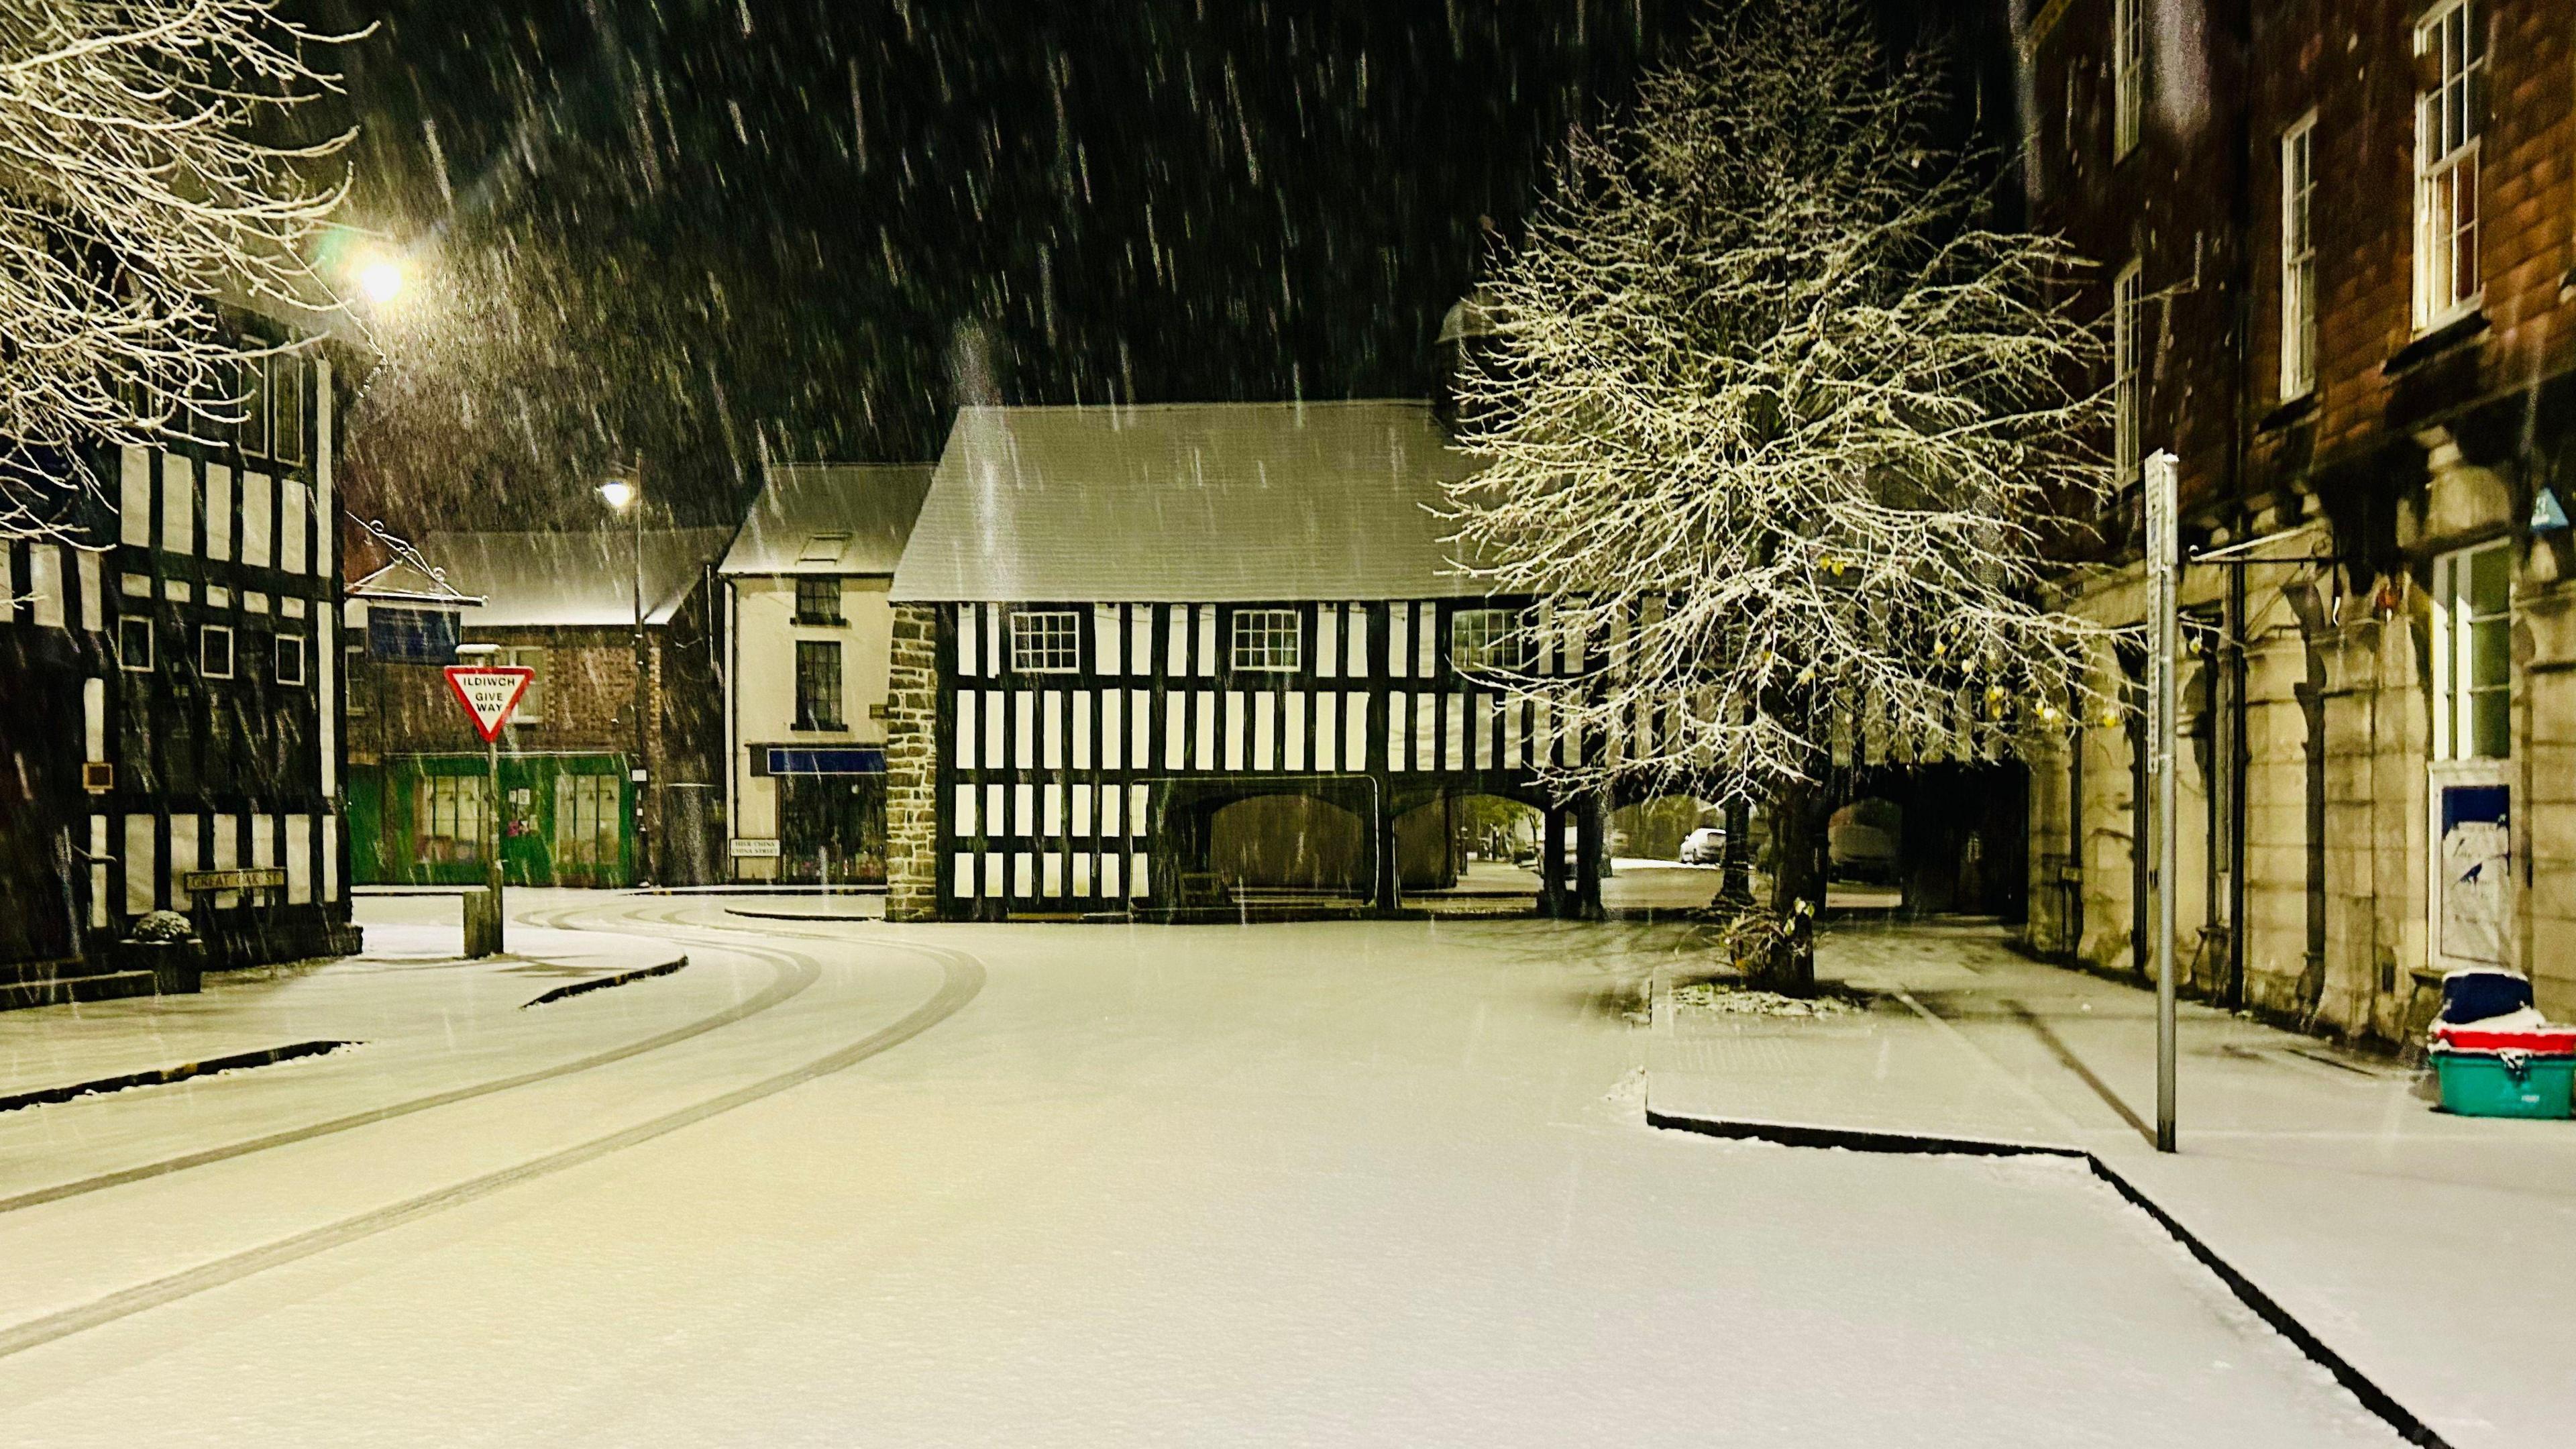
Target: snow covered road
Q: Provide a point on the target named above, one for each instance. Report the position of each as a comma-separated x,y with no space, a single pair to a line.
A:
1346,1183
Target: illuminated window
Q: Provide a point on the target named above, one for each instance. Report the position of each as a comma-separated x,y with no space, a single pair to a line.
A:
532,705
2128,74
2298,260
447,818
2473,653
2446,164
2127,353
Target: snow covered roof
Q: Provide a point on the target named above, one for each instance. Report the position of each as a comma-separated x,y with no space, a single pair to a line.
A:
573,579
829,518
1199,502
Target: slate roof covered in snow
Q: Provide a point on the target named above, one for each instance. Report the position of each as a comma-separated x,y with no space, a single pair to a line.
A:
567,580
829,518
1187,502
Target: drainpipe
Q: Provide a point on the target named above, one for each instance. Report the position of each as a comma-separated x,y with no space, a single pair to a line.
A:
2073,922
2235,767
2231,644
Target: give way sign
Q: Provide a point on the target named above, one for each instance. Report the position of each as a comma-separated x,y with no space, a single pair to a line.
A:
489,692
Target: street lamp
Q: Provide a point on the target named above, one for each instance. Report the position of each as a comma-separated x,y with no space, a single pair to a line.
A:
626,495
381,279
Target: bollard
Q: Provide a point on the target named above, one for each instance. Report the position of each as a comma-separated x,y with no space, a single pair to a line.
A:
482,923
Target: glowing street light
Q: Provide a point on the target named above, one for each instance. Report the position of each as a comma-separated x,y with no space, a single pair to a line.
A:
618,493
381,279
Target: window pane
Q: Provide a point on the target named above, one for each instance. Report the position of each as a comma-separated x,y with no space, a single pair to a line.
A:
2490,580
818,601
254,425
2490,646
287,408
1046,641
1267,639
2492,726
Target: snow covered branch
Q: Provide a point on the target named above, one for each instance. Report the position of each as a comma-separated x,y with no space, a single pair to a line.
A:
1780,422
139,181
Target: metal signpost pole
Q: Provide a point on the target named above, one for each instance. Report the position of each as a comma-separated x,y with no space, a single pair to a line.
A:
482,654
2164,557
490,694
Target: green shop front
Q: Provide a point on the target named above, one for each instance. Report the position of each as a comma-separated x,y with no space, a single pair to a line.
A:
566,820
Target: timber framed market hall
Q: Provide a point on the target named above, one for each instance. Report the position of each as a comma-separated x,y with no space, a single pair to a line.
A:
1115,623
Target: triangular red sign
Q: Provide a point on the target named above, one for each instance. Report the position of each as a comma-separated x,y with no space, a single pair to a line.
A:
489,692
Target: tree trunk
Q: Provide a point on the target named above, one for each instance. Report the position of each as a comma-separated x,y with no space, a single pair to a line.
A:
1797,889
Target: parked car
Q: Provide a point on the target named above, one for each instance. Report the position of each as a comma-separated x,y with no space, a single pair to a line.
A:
1704,846
1862,841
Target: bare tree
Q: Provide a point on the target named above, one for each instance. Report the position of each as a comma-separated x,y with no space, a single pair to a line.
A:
1778,419
140,180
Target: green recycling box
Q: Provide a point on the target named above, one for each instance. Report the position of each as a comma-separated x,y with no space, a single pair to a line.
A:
2505,1084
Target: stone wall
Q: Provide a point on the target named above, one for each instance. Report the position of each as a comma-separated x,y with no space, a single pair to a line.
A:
912,765
2343,674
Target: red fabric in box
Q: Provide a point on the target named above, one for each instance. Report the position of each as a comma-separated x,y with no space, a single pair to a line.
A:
2540,1041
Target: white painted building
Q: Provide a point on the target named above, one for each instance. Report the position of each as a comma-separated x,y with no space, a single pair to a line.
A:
807,628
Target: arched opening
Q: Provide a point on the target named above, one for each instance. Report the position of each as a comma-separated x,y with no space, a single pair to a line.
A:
1294,843
1961,839
1667,852
1657,829
1865,841
1469,852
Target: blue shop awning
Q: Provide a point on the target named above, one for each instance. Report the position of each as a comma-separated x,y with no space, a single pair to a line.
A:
788,761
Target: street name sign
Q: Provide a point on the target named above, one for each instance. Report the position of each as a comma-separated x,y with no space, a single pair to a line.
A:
750,848
257,878
490,693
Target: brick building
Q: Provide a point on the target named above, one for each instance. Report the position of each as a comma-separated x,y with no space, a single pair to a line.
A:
2335,241
577,812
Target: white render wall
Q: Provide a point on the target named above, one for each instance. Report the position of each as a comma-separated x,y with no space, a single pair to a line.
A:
761,689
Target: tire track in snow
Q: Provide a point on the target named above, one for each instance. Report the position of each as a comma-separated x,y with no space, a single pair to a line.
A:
792,974
962,978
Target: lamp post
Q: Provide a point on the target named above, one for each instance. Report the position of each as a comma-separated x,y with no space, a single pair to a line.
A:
626,495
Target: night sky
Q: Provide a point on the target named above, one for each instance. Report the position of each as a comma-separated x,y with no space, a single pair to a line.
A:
695,231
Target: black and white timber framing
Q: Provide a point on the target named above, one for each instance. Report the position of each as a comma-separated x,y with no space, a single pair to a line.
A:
1084,744
182,658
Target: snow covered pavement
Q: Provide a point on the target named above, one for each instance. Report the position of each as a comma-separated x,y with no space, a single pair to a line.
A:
2432,1252
1378,1183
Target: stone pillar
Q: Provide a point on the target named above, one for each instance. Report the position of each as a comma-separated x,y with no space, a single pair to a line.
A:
912,765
